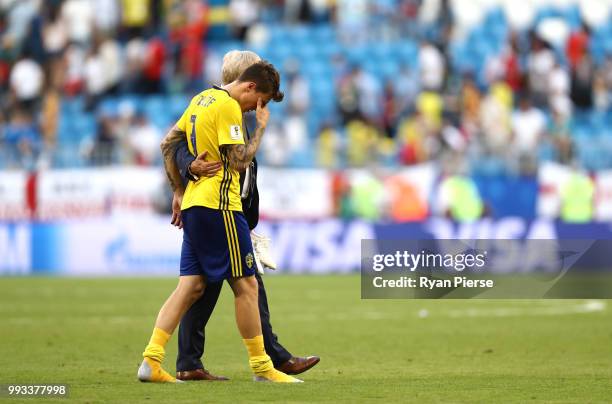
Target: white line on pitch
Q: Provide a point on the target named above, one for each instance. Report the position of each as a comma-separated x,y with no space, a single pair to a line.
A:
589,306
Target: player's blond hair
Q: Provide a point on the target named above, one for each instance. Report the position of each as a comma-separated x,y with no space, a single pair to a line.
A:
235,62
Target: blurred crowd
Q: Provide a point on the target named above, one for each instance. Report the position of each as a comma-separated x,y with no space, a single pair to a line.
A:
522,108
507,119
51,51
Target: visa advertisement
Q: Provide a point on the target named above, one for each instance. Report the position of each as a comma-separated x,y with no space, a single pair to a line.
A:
149,245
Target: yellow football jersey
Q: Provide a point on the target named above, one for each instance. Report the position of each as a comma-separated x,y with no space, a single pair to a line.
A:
211,120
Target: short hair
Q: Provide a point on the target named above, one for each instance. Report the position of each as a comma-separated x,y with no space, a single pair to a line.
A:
235,62
266,78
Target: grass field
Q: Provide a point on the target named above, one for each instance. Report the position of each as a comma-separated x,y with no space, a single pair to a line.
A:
89,333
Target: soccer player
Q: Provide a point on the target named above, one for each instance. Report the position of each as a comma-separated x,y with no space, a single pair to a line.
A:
216,242
191,331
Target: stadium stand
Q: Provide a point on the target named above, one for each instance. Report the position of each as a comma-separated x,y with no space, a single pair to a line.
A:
502,86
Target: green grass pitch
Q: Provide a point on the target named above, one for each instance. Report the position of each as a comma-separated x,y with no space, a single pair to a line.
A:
89,333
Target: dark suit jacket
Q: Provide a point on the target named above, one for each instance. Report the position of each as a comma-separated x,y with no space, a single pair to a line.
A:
250,204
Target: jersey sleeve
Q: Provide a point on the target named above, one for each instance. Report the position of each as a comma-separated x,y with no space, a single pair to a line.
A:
229,124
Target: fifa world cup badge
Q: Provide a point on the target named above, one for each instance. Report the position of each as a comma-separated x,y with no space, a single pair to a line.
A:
235,132
249,260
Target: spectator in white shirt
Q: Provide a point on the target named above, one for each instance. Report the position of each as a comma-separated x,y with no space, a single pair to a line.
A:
244,13
112,59
27,79
95,78
432,68
559,81
78,16
144,141
559,86
528,126
540,65
107,15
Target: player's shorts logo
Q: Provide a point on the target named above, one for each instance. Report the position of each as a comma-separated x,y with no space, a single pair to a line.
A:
249,260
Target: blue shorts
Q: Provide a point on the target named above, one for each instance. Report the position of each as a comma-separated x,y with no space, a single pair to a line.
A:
216,244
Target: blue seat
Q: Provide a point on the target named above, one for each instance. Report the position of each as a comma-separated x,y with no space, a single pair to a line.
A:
547,12
307,52
323,33
408,52
388,70
227,46
303,158
276,109
597,121
297,34
382,51
324,106
483,48
133,100
330,48
606,44
466,59
177,104
154,105
324,109
323,96
497,34
64,128
591,156
108,106
546,152
213,3
579,132
357,54
281,52
598,52
68,156
162,121
276,33
316,69
276,61
495,17
262,51
573,16
371,66
313,123
83,125
321,87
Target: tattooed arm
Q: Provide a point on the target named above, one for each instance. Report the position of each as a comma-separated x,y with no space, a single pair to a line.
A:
241,155
168,148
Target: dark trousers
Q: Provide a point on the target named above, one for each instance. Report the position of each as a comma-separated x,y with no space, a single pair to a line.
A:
191,331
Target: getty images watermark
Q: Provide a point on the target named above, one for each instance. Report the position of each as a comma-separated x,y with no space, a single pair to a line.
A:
460,269
424,260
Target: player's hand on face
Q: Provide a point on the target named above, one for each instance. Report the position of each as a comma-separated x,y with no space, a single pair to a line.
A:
177,200
203,168
262,114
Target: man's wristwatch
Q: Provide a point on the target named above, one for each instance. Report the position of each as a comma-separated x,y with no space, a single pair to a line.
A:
191,176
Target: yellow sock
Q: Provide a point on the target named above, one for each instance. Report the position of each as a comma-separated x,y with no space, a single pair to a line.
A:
258,359
261,364
155,349
255,346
